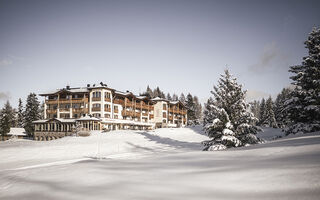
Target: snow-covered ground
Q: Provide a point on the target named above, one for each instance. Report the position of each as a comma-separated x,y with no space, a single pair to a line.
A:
159,164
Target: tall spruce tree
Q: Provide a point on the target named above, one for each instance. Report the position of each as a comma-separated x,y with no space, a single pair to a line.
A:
6,119
262,115
232,124
182,98
175,97
208,111
197,109
281,114
31,113
270,119
255,108
20,115
304,106
190,109
169,97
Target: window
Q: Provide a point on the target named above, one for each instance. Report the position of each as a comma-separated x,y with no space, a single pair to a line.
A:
115,107
107,115
96,94
97,115
96,105
164,115
164,107
116,116
107,95
107,105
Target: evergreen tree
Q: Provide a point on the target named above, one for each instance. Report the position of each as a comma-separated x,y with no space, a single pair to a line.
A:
175,97
208,112
41,111
190,109
6,118
31,113
262,115
20,115
270,119
255,108
304,106
232,124
169,97
197,109
281,114
182,98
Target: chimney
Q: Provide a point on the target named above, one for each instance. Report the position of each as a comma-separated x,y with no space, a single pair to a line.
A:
68,87
88,85
101,83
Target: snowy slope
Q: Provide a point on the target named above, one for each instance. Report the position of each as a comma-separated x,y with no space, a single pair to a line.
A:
168,165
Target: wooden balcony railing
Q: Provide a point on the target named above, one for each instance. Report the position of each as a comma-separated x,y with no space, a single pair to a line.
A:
96,98
96,109
80,110
64,109
107,99
144,114
107,109
151,116
115,110
51,111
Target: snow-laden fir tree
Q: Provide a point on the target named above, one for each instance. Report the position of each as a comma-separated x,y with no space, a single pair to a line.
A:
304,106
190,109
255,108
197,109
6,119
31,113
262,115
231,123
20,115
270,119
281,114
175,97
182,98
208,116
169,97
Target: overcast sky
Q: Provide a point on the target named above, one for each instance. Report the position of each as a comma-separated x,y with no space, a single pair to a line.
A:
180,46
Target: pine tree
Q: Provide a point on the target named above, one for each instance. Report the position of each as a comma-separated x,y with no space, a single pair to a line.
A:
304,106
175,97
169,97
262,115
182,98
31,113
6,118
190,109
232,124
281,114
208,112
20,115
270,119
197,109
255,108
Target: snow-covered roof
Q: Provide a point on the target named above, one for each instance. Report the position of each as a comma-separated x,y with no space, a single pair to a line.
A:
58,119
71,90
174,102
65,120
17,132
159,99
88,118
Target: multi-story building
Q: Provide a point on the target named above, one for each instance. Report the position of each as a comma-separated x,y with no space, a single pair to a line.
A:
99,107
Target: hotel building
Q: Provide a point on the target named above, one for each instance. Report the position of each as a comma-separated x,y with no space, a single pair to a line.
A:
99,107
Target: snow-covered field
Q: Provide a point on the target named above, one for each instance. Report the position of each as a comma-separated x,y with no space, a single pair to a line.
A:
159,164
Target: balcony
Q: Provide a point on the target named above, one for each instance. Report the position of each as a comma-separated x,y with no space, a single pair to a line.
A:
118,101
51,111
64,101
107,109
107,99
96,109
64,109
79,100
116,111
96,98
52,101
144,114
80,110
150,116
